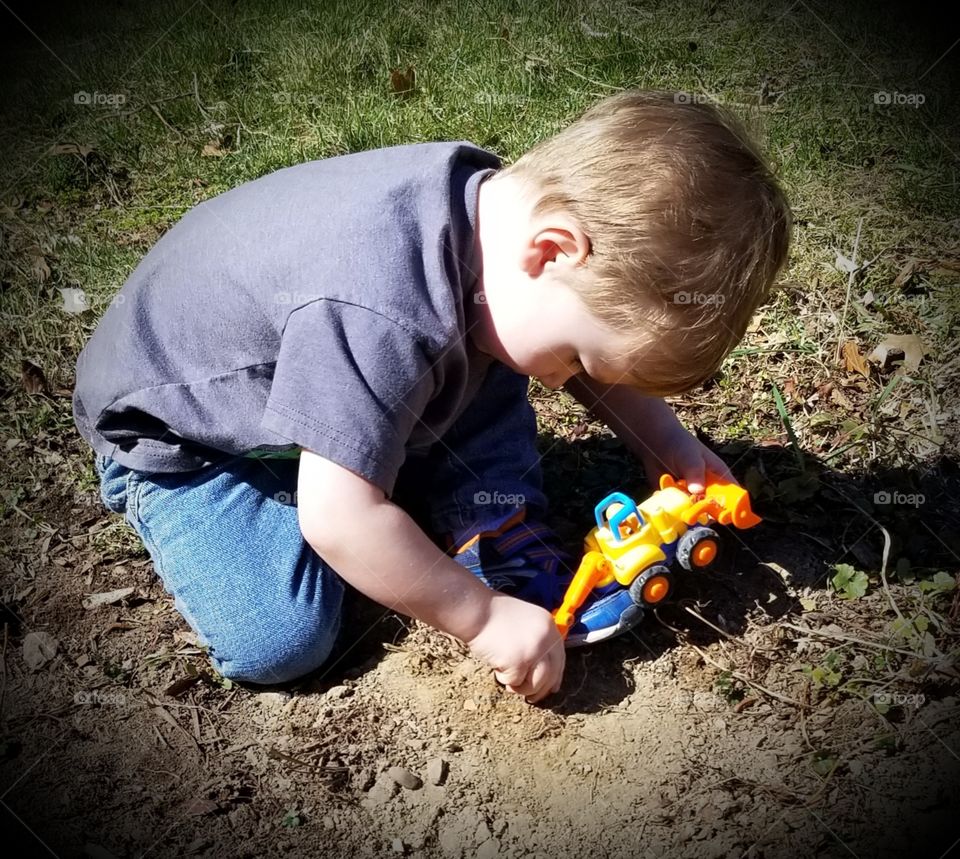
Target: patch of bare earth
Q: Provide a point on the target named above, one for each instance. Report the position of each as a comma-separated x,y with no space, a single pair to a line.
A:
702,735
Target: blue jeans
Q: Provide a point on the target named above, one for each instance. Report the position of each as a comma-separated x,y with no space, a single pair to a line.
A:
226,542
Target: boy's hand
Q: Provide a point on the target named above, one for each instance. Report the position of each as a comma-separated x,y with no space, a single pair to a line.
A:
521,642
682,455
649,428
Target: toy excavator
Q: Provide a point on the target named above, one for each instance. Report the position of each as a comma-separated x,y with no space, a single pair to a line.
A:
634,546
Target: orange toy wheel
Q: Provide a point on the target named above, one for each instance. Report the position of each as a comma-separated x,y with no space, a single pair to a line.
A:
698,548
703,553
656,589
652,586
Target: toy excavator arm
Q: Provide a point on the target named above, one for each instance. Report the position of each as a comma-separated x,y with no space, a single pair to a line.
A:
593,568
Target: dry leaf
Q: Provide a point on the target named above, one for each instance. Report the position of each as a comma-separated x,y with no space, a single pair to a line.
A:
107,598
38,649
184,637
949,264
33,378
853,361
907,272
840,398
909,344
74,300
80,149
182,686
589,31
213,150
403,82
845,264
201,806
39,268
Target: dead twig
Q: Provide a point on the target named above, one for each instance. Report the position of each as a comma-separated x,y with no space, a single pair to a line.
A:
836,636
166,124
750,682
712,626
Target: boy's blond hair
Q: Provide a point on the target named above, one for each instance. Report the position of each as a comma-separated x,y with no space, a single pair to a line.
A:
687,227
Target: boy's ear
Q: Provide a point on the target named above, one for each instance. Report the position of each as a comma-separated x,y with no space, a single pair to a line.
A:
565,243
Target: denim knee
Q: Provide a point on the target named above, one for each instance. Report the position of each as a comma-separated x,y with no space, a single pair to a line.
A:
271,651
113,483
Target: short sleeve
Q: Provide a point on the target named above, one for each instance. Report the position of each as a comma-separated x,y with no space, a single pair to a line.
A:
349,385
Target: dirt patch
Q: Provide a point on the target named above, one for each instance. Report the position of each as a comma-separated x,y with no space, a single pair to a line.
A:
705,734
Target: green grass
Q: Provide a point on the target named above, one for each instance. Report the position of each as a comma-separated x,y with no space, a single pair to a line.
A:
272,84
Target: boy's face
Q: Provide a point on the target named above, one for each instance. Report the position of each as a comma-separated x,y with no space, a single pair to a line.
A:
521,312
544,330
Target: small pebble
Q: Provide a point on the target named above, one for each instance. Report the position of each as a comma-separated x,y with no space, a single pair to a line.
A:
335,692
437,771
399,846
405,778
273,699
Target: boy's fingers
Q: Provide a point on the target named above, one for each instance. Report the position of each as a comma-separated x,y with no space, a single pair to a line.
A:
540,680
719,467
511,677
553,667
695,475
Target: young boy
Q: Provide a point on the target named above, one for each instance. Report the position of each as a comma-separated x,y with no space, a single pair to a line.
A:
321,375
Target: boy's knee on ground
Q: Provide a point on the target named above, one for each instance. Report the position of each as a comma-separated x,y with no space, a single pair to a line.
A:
274,649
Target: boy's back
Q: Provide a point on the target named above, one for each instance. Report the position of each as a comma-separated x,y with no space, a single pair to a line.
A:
331,288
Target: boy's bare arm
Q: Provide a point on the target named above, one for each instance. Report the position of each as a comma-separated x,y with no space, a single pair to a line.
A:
375,546
650,429
639,421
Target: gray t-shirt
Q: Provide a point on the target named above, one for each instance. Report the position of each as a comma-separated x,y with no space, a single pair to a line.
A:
320,306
